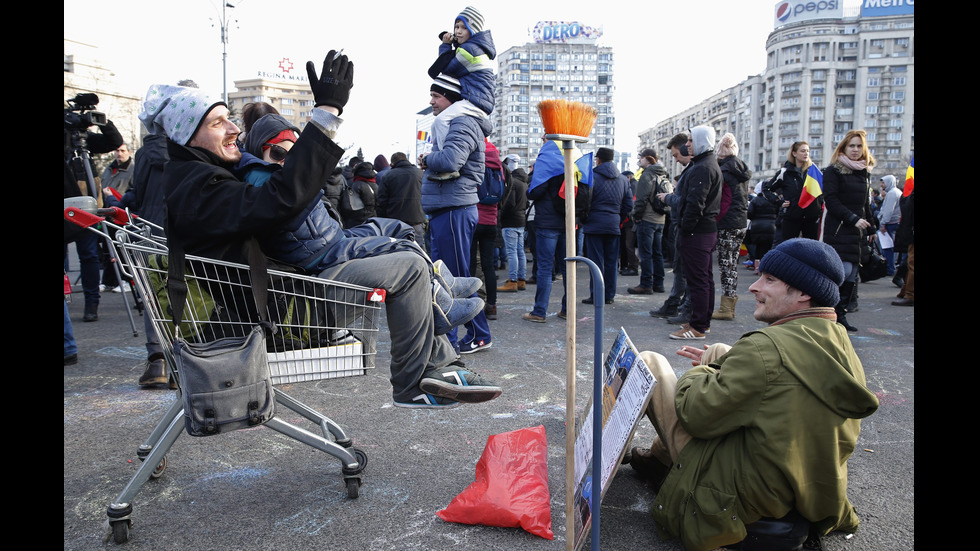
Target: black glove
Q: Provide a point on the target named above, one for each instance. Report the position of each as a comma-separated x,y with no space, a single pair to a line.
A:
334,83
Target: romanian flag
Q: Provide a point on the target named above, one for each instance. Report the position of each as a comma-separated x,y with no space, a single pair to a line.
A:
423,136
551,162
812,186
909,179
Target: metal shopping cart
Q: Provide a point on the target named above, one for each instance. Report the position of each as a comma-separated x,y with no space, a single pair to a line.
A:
325,329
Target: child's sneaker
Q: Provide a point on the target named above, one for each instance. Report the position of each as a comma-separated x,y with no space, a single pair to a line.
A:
451,312
457,286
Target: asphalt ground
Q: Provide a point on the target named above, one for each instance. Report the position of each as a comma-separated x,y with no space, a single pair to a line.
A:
257,489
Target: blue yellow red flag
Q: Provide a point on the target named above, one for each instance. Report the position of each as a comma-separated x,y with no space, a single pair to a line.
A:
909,179
551,162
812,186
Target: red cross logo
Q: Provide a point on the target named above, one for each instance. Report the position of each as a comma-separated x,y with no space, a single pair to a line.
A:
286,65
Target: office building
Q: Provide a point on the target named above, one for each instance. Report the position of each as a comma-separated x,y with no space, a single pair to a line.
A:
563,62
827,72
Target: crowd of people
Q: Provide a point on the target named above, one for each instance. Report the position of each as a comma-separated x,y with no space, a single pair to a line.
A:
212,184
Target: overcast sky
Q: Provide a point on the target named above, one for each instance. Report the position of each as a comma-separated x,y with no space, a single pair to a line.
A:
668,54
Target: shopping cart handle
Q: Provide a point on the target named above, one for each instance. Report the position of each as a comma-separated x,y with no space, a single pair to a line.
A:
86,219
116,215
81,217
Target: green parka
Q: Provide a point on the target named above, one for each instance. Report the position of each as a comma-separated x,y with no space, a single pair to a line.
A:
774,421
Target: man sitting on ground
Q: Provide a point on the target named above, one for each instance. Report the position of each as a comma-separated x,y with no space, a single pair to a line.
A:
766,426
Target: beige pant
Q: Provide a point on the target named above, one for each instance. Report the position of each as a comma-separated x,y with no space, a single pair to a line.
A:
671,436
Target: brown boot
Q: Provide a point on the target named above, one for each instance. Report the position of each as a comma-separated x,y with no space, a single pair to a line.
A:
508,287
521,284
727,309
490,310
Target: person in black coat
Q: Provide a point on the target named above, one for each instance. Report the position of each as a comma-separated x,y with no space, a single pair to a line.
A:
846,191
762,214
796,221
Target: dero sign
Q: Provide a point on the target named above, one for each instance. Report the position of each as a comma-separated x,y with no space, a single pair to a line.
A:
569,32
803,10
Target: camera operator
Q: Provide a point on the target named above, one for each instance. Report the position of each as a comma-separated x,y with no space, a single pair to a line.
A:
80,116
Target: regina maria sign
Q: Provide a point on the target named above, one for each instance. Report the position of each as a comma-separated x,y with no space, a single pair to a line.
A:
792,11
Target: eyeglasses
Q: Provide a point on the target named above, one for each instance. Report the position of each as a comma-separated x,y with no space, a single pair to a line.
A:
277,153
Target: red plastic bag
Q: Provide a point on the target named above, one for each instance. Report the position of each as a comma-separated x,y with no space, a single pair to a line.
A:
511,486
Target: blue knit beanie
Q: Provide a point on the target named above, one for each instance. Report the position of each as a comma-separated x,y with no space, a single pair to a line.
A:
811,266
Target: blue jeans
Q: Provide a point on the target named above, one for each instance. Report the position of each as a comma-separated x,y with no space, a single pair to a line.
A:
603,249
649,246
87,245
70,346
452,241
548,243
514,245
889,253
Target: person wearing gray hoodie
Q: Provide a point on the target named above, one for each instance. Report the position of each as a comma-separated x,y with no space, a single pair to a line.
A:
700,203
888,216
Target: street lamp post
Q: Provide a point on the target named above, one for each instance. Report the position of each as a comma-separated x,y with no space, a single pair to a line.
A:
224,50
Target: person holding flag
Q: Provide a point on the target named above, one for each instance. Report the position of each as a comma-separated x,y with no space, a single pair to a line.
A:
800,183
547,190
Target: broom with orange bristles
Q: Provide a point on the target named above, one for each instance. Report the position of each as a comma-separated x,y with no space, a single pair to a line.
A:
571,122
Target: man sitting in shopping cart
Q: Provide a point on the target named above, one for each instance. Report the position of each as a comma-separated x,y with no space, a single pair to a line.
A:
214,214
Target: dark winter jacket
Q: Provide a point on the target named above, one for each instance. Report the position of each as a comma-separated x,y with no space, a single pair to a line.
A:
118,176
400,194
788,184
762,212
611,201
653,178
366,188
847,197
549,206
701,195
513,206
333,187
463,152
905,234
145,194
734,194
214,214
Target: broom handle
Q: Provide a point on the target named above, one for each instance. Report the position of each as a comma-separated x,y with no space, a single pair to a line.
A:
571,302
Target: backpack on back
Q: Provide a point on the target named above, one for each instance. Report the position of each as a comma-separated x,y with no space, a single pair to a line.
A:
493,187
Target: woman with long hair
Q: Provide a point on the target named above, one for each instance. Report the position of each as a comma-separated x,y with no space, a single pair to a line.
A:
732,222
846,191
796,221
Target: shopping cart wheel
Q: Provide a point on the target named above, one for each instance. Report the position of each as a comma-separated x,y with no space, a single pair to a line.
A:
161,468
120,530
353,487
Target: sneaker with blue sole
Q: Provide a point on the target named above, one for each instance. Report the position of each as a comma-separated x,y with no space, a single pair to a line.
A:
428,401
455,382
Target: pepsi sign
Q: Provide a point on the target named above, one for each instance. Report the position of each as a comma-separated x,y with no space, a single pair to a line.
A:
802,10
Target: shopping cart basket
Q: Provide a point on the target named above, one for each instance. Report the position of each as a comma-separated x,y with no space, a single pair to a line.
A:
325,329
